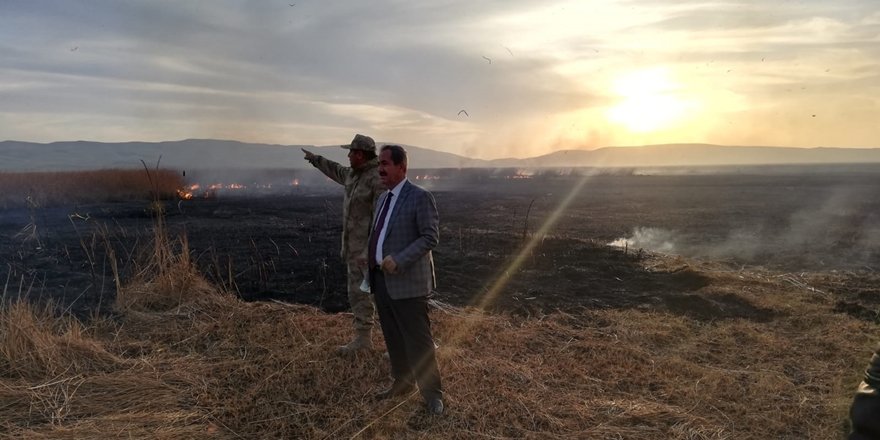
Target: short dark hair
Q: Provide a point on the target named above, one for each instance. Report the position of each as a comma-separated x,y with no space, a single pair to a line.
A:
398,153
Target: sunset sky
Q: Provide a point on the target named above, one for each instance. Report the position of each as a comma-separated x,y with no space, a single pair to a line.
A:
531,76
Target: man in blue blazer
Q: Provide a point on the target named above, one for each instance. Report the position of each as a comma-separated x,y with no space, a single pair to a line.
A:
405,229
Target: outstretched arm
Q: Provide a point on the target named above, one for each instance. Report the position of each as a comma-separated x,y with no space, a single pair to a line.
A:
331,169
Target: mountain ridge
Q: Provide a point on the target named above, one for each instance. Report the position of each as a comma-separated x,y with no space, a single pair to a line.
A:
219,153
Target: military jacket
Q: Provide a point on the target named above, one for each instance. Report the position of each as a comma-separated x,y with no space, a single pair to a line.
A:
362,188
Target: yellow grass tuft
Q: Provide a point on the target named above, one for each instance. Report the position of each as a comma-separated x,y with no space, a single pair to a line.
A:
166,278
36,343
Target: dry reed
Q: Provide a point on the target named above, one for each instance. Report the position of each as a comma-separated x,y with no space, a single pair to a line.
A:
184,361
36,189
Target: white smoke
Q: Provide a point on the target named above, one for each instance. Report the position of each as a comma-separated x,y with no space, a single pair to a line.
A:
653,239
838,229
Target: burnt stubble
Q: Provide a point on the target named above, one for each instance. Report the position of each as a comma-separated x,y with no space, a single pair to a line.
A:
285,246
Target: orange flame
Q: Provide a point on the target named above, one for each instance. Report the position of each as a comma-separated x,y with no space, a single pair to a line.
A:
183,194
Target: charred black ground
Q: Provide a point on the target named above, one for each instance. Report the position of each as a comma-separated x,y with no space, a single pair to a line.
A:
285,246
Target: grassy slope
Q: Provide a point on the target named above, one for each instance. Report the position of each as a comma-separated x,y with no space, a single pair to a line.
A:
181,360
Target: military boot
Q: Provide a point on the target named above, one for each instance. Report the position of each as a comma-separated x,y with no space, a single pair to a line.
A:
361,341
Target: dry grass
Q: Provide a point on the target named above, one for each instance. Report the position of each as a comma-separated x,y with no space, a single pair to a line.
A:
165,276
52,188
181,360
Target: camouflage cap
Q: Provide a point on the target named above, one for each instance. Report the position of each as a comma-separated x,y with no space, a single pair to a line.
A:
361,142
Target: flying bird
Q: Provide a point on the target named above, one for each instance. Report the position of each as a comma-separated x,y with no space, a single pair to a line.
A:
509,51
463,111
487,59
74,49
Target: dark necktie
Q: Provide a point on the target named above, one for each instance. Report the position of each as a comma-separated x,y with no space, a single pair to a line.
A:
374,237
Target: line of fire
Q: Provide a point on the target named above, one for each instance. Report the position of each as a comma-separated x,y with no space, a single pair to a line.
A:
208,185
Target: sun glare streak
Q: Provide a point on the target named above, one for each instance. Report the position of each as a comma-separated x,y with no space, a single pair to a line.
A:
481,302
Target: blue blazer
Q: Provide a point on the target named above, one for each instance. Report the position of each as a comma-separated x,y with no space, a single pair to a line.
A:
412,232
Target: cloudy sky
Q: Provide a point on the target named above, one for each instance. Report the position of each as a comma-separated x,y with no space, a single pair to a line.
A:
531,76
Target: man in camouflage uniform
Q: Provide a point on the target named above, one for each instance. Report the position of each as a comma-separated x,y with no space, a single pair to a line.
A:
362,188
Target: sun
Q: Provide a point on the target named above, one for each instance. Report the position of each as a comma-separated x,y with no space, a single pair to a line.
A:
650,101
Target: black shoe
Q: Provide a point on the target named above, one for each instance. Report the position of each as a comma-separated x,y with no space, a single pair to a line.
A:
396,390
435,406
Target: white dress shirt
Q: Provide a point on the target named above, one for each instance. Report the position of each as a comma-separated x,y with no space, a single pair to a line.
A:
396,195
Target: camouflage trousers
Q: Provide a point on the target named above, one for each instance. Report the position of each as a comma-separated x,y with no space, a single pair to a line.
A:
361,303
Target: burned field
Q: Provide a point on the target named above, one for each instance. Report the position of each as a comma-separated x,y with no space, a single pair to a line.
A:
534,244
727,307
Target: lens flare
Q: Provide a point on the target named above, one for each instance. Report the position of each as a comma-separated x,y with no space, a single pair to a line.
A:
483,301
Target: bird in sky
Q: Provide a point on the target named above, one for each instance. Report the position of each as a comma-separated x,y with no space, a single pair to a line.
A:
463,111
487,59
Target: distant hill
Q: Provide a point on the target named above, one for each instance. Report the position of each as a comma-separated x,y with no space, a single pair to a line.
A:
220,154
190,153
684,155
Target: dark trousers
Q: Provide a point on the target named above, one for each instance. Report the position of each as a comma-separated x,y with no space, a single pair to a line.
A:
865,417
407,331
